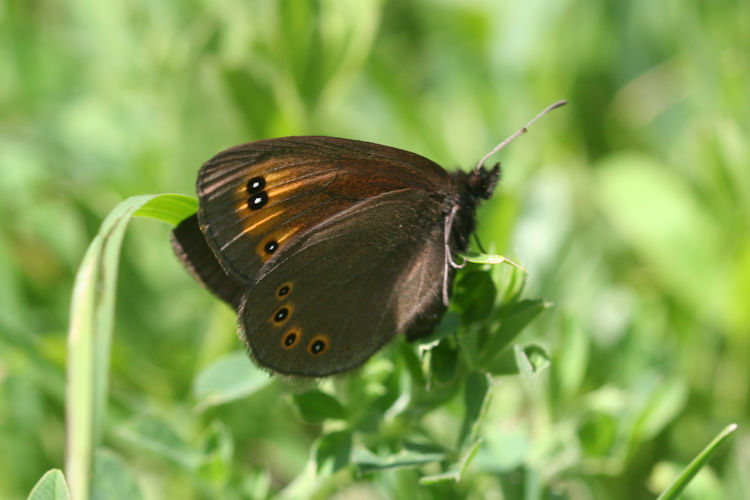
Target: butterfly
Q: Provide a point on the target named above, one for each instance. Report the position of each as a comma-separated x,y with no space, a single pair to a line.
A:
327,248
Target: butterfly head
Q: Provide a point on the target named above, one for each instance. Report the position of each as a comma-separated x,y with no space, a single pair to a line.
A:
481,182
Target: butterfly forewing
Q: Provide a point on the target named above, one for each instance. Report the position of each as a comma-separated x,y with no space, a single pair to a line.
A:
258,199
336,296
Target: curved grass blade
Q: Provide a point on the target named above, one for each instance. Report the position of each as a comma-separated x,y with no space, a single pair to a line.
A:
696,464
90,331
169,208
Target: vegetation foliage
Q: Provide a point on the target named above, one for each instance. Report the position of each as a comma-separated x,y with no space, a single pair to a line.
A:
601,374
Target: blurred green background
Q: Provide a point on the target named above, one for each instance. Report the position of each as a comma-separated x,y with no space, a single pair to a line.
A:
630,207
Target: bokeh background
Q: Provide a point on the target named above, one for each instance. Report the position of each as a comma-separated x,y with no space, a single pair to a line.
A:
630,207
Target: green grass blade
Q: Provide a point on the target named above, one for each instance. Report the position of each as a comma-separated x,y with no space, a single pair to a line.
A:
169,208
90,332
696,464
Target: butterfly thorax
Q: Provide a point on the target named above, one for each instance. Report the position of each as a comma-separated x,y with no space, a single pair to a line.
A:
472,188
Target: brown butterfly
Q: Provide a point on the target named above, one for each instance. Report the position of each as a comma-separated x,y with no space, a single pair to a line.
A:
327,247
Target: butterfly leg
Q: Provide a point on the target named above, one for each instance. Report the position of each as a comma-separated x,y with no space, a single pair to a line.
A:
449,262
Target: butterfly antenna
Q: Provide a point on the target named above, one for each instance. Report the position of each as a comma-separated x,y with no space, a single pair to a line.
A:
519,132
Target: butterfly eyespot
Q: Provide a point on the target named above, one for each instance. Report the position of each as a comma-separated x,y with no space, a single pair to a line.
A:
290,340
284,290
255,184
271,246
257,201
271,242
281,315
318,345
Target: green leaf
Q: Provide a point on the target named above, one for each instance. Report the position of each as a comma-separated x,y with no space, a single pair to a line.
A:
513,319
158,436
112,479
504,449
444,360
256,483
484,258
366,461
468,457
503,364
696,464
316,406
227,379
474,295
90,336
512,285
333,452
51,486
530,359
537,356
476,395
217,453
598,432
449,325
455,473
169,208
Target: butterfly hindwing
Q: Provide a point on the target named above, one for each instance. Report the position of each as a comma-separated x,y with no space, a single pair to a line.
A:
190,246
256,199
340,293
